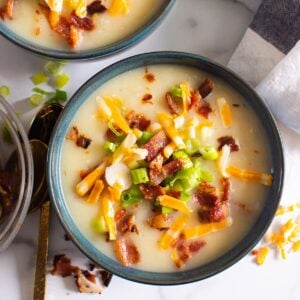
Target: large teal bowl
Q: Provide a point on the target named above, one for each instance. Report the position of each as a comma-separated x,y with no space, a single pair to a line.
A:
228,258
92,54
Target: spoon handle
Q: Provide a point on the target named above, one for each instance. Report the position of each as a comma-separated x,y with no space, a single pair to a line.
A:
42,253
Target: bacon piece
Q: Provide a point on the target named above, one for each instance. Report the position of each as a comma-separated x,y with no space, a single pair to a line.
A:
173,104
82,23
185,249
62,266
206,88
226,189
96,7
151,192
195,99
110,136
167,170
174,193
127,252
212,208
138,121
79,139
230,141
157,162
105,277
147,98
204,109
127,224
86,282
160,221
156,144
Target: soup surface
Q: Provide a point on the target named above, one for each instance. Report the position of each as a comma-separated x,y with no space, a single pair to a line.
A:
30,21
220,207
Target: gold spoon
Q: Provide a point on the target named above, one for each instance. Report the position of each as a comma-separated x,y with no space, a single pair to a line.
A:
41,129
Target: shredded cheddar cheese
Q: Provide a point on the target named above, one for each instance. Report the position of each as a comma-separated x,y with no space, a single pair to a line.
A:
119,7
174,203
265,179
173,232
96,192
225,112
186,95
204,229
261,255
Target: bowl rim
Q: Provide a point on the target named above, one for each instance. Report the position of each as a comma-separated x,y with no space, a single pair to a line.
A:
90,54
228,258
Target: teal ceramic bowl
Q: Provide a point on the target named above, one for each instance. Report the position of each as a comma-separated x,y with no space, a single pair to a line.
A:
96,53
228,258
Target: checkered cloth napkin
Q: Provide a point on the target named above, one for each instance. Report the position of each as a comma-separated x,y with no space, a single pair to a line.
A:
268,57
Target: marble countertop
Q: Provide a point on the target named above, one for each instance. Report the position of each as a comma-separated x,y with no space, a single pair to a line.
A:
212,28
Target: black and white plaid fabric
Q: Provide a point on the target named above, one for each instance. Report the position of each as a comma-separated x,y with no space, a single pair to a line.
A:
278,22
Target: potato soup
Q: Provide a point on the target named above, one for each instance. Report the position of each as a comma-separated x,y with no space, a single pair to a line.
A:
165,162
76,24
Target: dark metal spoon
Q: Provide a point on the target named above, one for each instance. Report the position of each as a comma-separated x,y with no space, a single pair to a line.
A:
41,129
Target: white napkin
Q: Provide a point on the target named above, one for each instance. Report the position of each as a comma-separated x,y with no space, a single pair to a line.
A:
281,89
277,76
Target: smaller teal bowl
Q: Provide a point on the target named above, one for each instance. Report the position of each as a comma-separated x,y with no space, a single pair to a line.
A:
92,54
237,251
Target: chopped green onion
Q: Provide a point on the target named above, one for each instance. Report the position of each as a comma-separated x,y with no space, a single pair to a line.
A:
192,146
4,90
41,91
59,97
39,77
6,134
98,225
36,99
113,129
61,80
208,152
176,91
145,137
139,175
185,197
207,176
53,67
166,210
180,154
131,196
111,147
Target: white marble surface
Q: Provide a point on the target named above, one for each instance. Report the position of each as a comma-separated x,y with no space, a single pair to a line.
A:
212,28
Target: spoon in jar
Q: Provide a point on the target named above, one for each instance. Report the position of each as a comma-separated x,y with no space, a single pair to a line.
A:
41,129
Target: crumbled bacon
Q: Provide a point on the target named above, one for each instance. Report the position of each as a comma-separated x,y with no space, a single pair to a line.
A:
195,99
186,249
127,224
120,214
110,136
174,193
173,104
138,121
167,170
157,162
105,277
95,7
151,192
226,189
156,144
204,109
149,76
86,282
82,23
79,139
147,98
212,208
206,88
160,221
230,141
62,266
127,252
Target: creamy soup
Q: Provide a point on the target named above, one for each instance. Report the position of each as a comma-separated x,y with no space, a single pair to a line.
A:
103,27
213,213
